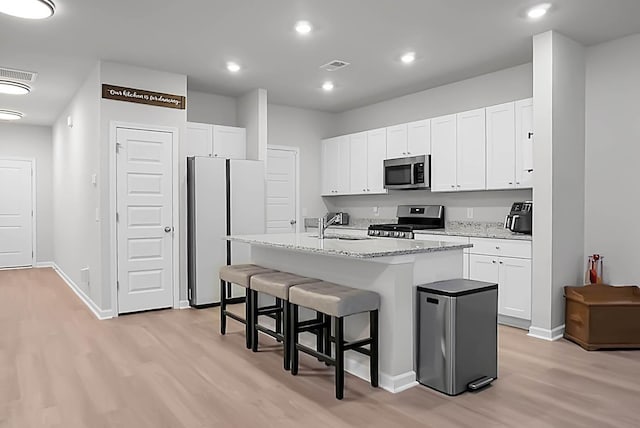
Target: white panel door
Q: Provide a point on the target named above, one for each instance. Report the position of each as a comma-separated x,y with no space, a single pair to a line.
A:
471,150
16,215
229,142
397,141
524,143
419,138
501,146
515,288
281,191
376,154
199,140
145,220
358,161
443,154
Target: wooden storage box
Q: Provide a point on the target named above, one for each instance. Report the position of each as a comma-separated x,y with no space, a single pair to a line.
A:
601,316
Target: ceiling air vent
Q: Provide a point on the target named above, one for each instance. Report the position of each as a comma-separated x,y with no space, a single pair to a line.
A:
25,76
334,65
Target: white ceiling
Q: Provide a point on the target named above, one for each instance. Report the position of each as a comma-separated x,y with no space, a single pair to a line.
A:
454,39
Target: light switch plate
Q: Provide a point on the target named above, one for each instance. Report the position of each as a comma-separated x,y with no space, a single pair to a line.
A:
469,212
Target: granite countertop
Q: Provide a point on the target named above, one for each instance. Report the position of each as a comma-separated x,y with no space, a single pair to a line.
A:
477,230
346,245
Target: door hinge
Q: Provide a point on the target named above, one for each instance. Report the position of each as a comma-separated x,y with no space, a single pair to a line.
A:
117,217
118,147
530,135
118,285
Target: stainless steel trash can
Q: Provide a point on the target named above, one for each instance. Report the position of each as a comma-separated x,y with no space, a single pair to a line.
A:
457,335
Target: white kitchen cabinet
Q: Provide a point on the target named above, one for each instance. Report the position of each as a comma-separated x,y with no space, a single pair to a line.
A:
501,146
471,150
524,143
358,163
397,141
376,154
453,240
229,142
203,139
335,166
484,268
419,138
443,153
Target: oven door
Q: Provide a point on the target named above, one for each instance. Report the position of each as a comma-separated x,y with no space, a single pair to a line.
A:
404,173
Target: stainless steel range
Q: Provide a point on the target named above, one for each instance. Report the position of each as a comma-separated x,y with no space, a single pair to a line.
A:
410,218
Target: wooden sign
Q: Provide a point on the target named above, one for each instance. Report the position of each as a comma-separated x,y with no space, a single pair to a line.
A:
141,96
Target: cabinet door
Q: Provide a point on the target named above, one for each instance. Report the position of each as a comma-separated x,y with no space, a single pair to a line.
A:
419,138
515,288
471,150
344,167
376,154
397,141
330,161
484,268
229,142
443,154
358,163
501,146
524,143
198,140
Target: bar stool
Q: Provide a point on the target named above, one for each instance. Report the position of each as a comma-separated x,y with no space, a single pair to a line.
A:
275,284
335,302
240,275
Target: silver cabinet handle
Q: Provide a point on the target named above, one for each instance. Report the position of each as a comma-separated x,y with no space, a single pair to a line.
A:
501,263
497,248
292,222
493,261
511,182
168,229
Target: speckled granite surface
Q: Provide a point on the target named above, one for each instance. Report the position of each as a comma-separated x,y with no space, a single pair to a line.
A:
354,223
356,247
476,229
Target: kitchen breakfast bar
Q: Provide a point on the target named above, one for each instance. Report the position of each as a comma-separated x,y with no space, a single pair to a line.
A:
391,267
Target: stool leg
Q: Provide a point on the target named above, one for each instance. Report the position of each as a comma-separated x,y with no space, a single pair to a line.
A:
248,311
223,307
326,333
294,339
286,315
254,319
339,334
279,317
373,359
319,336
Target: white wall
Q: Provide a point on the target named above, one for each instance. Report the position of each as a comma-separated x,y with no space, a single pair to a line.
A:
252,114
34,142
76,156
290,126
489,89
486,90
612,154
211,108
112,110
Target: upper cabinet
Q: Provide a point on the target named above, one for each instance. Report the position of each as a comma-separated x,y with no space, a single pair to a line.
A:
215,140
367,151
471,147
336,166
509,145
409,139
443,153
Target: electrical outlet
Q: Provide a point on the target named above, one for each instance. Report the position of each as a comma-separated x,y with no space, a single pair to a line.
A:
376,211
469,212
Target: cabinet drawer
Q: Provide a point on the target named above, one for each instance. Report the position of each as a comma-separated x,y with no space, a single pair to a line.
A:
501,247
443,238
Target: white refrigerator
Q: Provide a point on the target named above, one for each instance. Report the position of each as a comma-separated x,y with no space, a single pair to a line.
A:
224,197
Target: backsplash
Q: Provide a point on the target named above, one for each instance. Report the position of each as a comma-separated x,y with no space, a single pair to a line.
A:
486,206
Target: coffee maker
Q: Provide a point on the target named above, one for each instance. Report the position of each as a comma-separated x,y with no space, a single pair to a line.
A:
520,218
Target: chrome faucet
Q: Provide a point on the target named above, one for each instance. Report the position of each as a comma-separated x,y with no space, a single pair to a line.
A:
323,224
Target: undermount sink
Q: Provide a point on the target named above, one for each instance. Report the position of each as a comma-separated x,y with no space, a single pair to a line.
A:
344,237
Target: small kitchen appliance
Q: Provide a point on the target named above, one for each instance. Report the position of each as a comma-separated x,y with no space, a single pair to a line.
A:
520,218
410,218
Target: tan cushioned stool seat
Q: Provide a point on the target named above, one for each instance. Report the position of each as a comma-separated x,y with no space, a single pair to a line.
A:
333,299
277,284
241,274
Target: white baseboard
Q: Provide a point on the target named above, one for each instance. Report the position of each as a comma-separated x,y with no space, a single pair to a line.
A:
546,334
99,313
184,304
45,265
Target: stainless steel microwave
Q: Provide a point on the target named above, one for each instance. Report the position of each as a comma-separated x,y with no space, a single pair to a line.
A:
407,173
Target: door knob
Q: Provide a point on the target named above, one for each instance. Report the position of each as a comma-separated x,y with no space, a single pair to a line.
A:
168,229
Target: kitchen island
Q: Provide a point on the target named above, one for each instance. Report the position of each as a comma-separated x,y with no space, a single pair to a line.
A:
391,267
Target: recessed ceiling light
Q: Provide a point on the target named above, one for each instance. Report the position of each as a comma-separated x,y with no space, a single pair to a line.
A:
13,88
303,27
408,58
327,86
29,9
538,11
10,115
233,67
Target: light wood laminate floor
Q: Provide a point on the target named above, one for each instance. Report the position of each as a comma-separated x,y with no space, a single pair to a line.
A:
60,367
